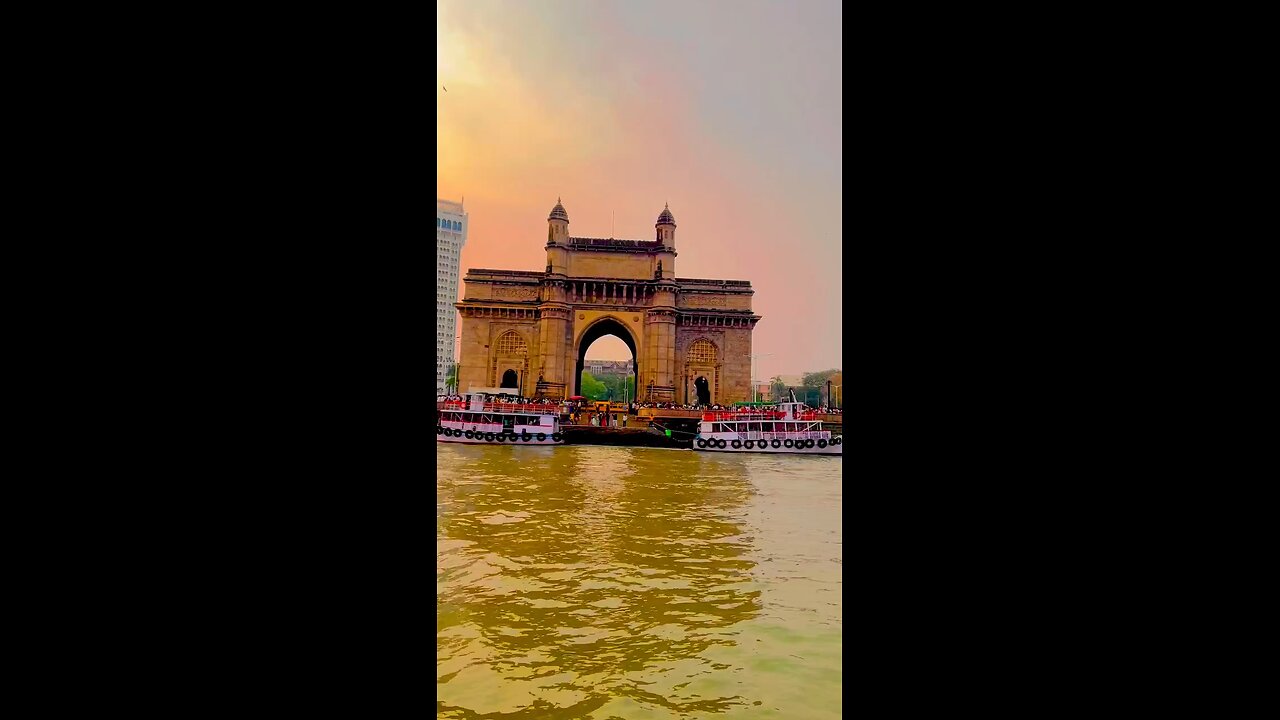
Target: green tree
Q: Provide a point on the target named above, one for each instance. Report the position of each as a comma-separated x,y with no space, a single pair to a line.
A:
818,379
815,387
620,386
451,379
593,389
778,387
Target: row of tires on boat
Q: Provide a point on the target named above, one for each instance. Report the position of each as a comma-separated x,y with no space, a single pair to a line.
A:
497,437
764,444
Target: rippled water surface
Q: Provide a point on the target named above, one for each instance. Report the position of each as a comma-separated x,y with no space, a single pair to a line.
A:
604,582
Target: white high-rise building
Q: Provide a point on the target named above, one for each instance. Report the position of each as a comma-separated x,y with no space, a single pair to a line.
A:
451,235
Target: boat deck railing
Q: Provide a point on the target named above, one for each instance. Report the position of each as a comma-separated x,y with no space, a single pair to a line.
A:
755,435
506,408
769,415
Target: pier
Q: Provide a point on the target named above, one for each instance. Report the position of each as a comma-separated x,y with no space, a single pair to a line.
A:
626,437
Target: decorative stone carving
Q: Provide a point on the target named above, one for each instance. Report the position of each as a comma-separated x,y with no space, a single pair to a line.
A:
515,292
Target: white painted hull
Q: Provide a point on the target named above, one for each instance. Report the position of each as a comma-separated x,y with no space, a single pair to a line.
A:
481,431
533,441
769,449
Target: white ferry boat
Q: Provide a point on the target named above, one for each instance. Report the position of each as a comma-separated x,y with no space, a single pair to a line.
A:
788,427
476,420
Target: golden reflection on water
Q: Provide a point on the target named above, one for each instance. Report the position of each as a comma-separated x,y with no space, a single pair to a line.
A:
603,582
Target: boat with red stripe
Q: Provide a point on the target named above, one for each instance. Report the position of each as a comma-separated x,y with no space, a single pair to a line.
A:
478,420
787,427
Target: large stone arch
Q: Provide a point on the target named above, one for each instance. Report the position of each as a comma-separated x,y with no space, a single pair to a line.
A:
606,325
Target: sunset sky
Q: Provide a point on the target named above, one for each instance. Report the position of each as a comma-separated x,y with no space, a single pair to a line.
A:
728,110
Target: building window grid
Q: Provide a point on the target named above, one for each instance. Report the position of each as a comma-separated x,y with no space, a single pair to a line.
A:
511,344
702,352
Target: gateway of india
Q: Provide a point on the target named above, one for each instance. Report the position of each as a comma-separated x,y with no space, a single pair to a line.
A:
690,339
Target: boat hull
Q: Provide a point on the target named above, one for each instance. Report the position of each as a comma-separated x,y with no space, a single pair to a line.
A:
532,441
768,449
831,451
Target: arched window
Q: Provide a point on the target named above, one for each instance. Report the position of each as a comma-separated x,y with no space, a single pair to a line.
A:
702,352
508,379
512,344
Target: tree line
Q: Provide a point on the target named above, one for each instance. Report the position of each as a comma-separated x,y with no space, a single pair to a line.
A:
608,387
813,388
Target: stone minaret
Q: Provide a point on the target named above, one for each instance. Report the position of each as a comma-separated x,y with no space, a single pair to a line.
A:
666,229
558,240
556,314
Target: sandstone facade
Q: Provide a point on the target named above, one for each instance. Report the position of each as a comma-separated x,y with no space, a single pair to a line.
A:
532,329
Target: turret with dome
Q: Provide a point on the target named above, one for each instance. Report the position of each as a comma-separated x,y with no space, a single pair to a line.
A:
558,212
666,227
558,225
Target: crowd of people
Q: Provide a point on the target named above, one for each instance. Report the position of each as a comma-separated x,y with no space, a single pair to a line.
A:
504,399
672,406
634,405
686,406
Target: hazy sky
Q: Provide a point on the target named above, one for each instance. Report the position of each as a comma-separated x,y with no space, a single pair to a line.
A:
728,110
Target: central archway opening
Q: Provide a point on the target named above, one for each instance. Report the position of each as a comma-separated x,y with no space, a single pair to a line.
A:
703,390
611,372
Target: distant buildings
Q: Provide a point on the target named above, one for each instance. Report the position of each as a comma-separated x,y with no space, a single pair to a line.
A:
451,235
598,368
